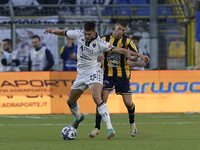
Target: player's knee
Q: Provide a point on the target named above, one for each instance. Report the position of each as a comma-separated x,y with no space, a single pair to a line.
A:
69,102
96,97
129,104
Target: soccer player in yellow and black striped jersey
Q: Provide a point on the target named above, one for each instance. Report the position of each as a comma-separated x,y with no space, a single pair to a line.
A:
117,74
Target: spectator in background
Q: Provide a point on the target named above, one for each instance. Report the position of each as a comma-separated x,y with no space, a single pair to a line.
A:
40,58
9,58
139,64
68,54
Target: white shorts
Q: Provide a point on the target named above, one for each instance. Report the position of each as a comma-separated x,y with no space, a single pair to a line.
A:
83,81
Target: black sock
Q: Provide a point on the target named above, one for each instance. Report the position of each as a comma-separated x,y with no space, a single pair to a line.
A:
131,112
98,120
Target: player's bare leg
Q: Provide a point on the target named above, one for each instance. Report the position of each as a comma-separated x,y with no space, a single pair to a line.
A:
74,106
102,108
131,110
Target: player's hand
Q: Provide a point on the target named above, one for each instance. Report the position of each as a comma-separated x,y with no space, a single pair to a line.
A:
100,58
133,58
128,55
145,58
48,30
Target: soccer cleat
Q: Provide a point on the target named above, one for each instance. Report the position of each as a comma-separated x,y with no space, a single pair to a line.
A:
94,132
111,133
76,122
133,129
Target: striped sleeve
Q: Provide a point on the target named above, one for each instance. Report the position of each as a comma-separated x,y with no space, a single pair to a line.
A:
132,46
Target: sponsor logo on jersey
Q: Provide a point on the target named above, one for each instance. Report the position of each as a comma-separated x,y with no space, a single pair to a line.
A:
114,60
94,45
88,50
121,45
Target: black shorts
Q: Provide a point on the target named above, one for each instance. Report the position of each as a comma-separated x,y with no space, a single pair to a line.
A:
121,85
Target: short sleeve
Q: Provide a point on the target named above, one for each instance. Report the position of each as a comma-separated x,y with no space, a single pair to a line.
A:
105,46
132,47
72,33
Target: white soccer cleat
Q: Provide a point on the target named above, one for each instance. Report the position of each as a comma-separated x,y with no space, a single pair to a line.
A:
94,132
133,129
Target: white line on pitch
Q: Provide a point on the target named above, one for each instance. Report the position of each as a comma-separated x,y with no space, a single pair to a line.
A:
92,116
93,124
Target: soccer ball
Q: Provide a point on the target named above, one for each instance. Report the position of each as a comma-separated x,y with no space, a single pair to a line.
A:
68,133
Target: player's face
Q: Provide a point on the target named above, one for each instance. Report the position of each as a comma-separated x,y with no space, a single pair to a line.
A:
6,46
136,42
89,35
36,43
119,30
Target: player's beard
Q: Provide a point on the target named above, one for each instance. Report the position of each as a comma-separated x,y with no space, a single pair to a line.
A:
7,49
89,40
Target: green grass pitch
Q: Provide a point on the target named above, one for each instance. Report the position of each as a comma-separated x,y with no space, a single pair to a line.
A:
155,132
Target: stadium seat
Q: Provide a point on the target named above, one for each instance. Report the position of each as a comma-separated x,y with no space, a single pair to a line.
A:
107,12
177,49
173,31
137,2
165,11
142,11
123,11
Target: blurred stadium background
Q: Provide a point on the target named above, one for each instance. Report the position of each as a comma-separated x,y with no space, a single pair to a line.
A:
170,35
167,27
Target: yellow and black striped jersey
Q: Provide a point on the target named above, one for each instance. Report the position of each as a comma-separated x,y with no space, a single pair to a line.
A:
115,64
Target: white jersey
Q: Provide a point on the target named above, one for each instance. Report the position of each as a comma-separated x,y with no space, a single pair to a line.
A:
38,59
139,59
87,55
10,56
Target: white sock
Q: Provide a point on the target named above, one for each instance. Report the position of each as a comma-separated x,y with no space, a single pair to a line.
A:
103,111
75,111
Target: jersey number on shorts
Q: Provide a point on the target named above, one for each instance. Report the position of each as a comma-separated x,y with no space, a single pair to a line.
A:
96,76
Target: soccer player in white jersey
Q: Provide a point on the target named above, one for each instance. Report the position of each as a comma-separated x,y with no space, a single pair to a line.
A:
90,73
9,58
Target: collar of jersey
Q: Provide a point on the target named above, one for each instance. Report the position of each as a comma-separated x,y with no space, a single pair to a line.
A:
87,44
115,37
37,49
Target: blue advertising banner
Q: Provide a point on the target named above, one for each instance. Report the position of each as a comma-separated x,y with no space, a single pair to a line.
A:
197,27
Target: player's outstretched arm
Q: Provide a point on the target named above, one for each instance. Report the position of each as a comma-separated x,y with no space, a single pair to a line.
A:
129,54
126,52
56,31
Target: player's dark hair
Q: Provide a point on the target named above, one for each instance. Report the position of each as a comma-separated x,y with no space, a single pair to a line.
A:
35,36
134,37
122,22
90,26
7,40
